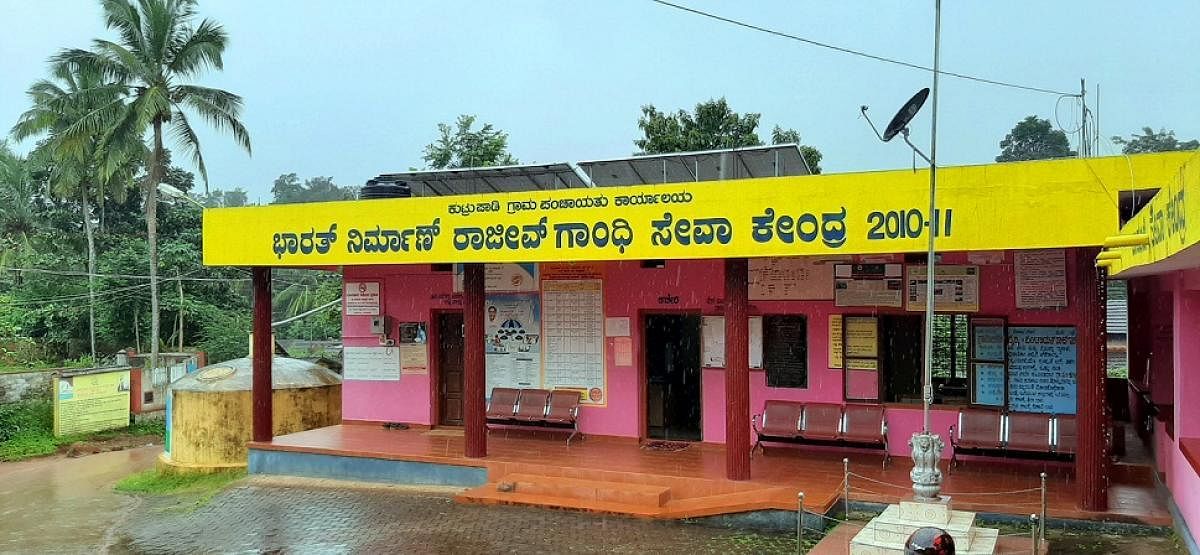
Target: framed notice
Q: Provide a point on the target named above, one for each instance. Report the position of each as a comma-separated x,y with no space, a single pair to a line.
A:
868,285
793,278
835,340
955,289
988,369
1041,278
503,277
513,339
361,298
860,356
376,364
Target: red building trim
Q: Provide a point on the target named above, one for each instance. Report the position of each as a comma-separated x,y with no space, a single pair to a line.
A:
474,409
737,370
264,351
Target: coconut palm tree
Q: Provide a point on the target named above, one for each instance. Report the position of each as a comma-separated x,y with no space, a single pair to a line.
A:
74,174
19,197
158,54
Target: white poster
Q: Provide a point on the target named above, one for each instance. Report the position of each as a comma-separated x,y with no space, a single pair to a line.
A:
1041,278
362,298
756,342
795,278
712,338
512,328
503,277
617,326
956,288
371,364
573,326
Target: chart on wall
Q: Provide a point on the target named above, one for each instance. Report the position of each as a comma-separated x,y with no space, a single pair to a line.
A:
796,278
573,332
868,285
956,288
1042,369
503,277
512,328
1041,278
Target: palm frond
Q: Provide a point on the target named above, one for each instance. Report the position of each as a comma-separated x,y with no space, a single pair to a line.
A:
198,49
219,108
183,133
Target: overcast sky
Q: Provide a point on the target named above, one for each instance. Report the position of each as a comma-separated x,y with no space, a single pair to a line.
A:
353,89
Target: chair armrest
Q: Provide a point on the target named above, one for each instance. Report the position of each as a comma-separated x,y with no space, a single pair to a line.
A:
953,442
575,412
755,425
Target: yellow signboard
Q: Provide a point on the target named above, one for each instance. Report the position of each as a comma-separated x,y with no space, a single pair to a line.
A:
1043,204
91,402
1164,222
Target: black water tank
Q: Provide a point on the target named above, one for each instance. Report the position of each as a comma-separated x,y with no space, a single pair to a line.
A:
385,189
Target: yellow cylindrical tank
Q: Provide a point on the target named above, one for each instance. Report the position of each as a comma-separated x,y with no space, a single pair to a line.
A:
209,411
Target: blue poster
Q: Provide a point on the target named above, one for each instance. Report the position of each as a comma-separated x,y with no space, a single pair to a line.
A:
1042,369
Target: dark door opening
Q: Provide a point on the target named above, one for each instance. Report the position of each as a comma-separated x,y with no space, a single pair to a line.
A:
450,368
902,348
672,347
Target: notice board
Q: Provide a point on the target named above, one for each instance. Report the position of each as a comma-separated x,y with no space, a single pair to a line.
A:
378,364
1042,365
1041,277
988,354
868,285
91,402
573,333
956,288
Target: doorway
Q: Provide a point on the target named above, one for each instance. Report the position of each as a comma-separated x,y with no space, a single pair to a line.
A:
450,368
903,351
672,347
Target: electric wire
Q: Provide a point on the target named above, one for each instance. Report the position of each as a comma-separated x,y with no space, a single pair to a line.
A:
858,53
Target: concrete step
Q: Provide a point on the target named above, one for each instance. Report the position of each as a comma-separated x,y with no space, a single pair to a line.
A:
879,539
623,493
960,527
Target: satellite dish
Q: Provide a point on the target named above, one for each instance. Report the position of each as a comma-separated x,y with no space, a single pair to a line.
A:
905,114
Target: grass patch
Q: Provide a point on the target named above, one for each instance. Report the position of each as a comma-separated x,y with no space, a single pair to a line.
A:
27,431
153,482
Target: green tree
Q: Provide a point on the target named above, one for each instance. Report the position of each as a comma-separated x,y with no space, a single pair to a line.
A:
288,189
1034,139
226,199
711,125
1150,141
158,54
812,156
57,105
20,197
459,146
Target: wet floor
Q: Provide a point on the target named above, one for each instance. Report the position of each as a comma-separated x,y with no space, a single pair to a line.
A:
66,505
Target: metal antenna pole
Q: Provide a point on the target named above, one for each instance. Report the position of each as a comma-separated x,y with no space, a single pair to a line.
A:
931,275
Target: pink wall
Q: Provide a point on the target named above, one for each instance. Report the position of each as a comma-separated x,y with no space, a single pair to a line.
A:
1171,341
414,293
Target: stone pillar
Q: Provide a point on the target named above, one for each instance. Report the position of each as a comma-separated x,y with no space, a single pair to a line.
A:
264,351
474,366
737,370
1091,460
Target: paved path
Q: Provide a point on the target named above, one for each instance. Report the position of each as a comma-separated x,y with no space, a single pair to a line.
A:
261,517
66,505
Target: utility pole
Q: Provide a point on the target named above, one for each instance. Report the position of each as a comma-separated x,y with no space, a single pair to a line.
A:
179,280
